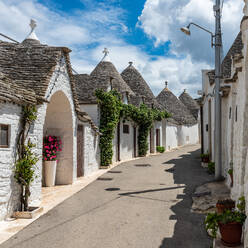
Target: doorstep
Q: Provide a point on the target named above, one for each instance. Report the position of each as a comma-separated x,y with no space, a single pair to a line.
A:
217,244
51,197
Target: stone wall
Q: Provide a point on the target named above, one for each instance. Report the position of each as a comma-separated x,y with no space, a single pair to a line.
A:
126,141
10,113
208,123
93,111
9,189
171,136
91,151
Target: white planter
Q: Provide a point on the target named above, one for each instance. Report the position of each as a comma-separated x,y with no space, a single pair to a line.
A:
50,172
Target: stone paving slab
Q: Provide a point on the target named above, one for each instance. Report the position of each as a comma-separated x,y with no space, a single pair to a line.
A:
207,195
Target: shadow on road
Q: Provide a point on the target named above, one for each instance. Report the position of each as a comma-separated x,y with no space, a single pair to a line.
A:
189,231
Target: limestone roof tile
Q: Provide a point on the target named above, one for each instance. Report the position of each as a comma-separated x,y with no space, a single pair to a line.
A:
180,113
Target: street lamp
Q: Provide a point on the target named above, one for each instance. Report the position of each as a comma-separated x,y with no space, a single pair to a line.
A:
218,47
186,30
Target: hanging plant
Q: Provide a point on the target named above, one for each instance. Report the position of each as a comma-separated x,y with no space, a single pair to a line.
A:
24,171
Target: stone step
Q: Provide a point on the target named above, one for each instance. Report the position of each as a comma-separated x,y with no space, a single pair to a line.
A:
218,244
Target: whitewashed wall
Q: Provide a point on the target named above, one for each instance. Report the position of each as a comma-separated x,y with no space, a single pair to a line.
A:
60,88
91,150
126,142
208,95
9,189
188,135
93,111
171,136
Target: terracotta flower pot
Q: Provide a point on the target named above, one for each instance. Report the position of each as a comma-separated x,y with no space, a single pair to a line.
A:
221,207
205,159
50,172
231,234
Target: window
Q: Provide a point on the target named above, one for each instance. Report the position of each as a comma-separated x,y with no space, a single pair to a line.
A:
230,113
4,136
125,128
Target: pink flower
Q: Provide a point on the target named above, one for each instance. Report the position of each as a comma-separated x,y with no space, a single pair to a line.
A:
48,155
46,147
45,158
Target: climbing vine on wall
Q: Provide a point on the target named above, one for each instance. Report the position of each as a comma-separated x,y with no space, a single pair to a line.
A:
112,109
144,117
26,159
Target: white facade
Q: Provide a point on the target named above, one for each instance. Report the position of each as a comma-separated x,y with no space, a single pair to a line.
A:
188,135
208,115
93,111
171,136
9,190
57,117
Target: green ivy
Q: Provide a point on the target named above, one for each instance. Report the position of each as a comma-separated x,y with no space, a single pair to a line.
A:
26,160
111,110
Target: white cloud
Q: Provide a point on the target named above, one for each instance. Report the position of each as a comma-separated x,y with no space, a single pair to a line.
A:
162,19
88,32
180,73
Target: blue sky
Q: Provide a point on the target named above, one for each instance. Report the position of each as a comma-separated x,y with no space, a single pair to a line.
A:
146,32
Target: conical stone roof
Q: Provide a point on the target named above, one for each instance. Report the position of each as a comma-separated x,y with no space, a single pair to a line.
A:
139,86
107,72
180,113
190,103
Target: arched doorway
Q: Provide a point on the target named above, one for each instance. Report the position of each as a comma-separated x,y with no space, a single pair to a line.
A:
58,122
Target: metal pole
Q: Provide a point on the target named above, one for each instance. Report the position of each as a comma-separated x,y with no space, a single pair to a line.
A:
218,47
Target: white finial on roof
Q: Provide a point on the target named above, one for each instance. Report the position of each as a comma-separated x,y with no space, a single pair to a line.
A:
106,55
32,34
166,84
184,91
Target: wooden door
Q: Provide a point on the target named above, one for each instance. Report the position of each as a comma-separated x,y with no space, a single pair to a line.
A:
118,142
152,140
134,142
157,137
80,149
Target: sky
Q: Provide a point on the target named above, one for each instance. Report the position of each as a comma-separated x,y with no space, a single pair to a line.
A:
146,32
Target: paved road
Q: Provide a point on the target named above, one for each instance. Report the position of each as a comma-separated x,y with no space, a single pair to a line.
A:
140,204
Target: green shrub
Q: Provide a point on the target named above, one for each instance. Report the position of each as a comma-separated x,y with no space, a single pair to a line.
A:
211,167
160,149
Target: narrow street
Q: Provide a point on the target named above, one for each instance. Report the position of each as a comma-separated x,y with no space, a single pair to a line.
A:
144,203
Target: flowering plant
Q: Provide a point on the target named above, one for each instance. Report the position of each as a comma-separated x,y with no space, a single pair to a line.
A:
51,146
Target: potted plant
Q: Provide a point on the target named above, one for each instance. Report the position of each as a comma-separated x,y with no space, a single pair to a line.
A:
205,157
160,149
51,147
222,205
211,167
230,225
229,222
230,172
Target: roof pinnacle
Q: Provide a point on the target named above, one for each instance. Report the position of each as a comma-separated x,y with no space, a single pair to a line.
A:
106,55
130,63
32,34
